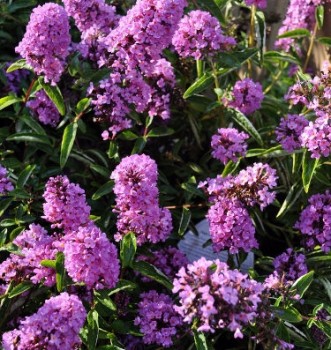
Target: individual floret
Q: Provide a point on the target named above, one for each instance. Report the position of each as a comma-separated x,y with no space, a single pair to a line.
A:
5,183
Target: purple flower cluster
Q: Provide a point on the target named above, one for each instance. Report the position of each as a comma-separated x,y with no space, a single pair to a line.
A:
300,14
228,217
5,184
168,260
316,137
290,265
157,319
137,202
46,41
251,186
55,326
199,35
91,13
35,245
15,78
216,297
231,227
315,221
247,96
289,131
91,258
44,109
140,77
229,144
262,4
65,205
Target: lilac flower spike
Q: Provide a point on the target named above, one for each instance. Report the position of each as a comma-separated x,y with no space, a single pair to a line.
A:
157,319
44,109
65,205
247,96
216,297
55,326
289,131
229,144
90,257
199,35
137,202
46,41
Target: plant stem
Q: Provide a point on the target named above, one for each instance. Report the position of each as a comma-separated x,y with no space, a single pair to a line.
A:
252,27
199,64
310,48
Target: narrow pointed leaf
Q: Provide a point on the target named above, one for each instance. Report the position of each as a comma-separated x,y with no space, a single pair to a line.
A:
68,140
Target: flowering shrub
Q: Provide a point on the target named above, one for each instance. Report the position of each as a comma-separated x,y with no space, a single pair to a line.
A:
126,127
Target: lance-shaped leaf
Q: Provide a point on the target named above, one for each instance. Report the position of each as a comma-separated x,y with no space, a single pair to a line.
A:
68,139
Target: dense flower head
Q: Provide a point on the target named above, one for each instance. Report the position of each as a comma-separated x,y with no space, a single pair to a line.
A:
46,41
137,202
168,260
262,4
228,144
44,109
251,186
316,137
199,35
111,100
300,14
216,297
289,131
5,183
90,257
157,319
35,245
290,265
315,222
145,31
247,96
65,205
55,326
231,227
90,13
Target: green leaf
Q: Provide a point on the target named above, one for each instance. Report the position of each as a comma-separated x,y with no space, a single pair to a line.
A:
301,285
184,221
128,249
245,123
139,145
67,143
113,150
128,135
200,340
289,314
122,285
103,190
60,271
296,33
19,289
19,64
308,169
324,40
152,272
29,137
160,131
291,198
11,248
24,176
8,100
276,57
319,16
4,204
33,124
54,93
48,263
83,105
103,298
92,329
260,26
